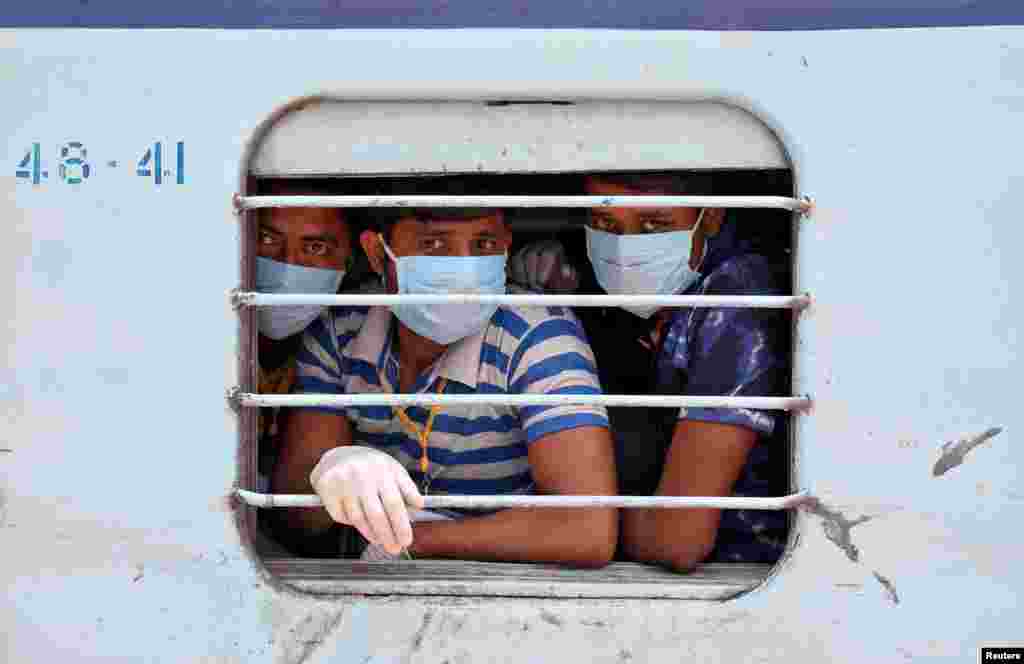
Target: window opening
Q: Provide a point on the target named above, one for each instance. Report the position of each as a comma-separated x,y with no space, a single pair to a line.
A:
531,223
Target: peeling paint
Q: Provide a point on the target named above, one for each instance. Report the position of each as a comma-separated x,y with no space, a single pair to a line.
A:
307,635
954,452
837,527
551,619
417,640
890,589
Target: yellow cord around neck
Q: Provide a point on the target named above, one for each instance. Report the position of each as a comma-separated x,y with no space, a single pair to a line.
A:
422,435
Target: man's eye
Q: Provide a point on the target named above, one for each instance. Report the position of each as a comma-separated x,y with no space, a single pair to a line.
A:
601,223
487,245
317,248
432,244
267,238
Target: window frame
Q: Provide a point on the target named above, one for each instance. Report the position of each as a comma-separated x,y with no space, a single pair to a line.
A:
459,578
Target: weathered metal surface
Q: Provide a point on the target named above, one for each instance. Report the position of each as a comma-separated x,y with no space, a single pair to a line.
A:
119,542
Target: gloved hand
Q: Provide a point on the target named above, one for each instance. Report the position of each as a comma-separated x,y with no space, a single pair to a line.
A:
542,267
374,553
367,489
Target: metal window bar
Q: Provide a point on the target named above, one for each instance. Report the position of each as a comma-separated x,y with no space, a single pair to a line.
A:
267,500
242,299
799,205
523,400
252,299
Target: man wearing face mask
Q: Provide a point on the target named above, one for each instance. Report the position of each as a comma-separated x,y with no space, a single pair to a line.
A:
299,250
370,465
691,351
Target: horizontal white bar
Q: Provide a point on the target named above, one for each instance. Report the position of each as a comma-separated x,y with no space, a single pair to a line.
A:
517,501
779,202
525,300
522,400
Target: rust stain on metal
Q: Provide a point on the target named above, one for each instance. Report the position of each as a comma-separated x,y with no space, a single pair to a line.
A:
837,527
955,451
890,589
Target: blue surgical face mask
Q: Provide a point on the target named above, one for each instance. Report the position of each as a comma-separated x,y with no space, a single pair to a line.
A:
277,277
447,323
648,264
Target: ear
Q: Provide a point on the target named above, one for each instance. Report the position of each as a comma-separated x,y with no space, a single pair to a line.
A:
374,250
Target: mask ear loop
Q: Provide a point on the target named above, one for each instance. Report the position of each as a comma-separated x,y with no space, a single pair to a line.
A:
387,250
700,218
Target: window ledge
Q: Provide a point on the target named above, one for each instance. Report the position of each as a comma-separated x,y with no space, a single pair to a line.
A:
717,581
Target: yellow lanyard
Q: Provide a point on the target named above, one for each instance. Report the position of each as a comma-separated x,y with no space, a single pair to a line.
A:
422,435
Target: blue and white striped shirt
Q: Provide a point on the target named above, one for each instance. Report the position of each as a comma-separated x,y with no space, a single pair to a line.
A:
480,449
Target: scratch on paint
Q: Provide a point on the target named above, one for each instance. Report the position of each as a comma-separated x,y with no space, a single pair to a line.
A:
837,527
309,645
954,452
417,641
890,589
551,618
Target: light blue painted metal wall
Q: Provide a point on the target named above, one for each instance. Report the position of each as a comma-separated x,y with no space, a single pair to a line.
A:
117,539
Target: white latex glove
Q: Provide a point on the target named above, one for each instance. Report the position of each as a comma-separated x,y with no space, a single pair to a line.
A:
542,267
367,489
375,554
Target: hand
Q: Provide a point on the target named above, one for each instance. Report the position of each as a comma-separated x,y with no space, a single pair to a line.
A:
367,489
375,553
542,267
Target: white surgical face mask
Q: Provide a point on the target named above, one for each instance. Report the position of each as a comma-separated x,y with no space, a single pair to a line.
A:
447,323
277,277
648,264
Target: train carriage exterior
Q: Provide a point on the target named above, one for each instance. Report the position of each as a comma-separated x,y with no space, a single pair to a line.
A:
128,129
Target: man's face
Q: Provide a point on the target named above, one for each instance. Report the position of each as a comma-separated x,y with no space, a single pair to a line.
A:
311,237
481,236
636,221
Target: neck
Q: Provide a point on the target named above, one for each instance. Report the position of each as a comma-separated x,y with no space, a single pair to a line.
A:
415,355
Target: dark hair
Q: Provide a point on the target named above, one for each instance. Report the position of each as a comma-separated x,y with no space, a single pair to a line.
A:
303,187
382,220
677,182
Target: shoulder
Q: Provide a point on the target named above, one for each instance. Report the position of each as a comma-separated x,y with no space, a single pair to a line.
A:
518,325
343,319
747,274
330,333
528,335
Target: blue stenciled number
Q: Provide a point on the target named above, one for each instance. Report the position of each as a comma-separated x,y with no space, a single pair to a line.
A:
29,167
151,163
73,167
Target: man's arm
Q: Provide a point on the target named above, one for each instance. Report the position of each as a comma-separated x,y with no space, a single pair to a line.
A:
307,435
705,459
578,461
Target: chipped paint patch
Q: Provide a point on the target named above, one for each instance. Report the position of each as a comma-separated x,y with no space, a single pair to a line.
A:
890,589
304,638
955,451
551,618
417,640
837,527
